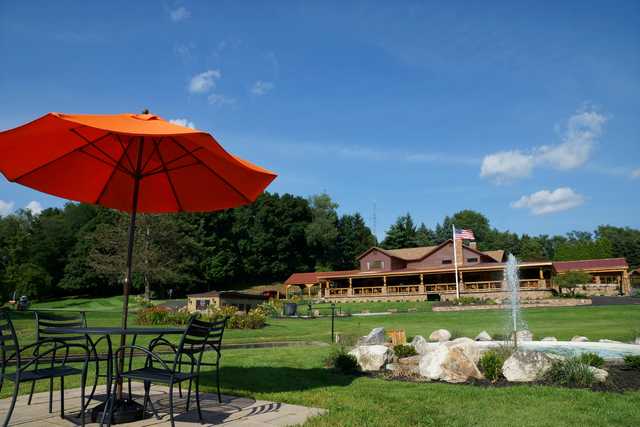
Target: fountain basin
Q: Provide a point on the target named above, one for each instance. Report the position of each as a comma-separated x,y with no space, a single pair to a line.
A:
613,352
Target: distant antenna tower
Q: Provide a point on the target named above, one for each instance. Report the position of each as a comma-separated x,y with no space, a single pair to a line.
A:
374,220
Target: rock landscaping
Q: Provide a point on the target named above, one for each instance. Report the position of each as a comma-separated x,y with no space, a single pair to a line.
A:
464,360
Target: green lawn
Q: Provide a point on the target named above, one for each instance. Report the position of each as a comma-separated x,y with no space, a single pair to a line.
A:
620,322
296,374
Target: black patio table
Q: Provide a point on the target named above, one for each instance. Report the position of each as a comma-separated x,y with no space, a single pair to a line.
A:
105,333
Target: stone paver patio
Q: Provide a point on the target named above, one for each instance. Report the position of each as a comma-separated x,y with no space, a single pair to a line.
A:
234,411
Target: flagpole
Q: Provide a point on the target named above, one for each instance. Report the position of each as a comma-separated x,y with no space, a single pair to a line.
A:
455,259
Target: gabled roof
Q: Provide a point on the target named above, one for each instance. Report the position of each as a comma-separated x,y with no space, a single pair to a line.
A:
302,278
498,255
421,252
590,264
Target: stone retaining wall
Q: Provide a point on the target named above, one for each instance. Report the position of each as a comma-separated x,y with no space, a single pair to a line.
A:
546,303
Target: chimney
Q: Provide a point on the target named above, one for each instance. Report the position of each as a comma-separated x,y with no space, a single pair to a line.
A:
459,254
473,245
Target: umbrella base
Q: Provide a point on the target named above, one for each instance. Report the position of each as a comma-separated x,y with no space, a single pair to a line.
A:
124,411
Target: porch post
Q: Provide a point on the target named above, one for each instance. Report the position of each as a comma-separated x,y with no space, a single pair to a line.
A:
421,288
350,291
384,285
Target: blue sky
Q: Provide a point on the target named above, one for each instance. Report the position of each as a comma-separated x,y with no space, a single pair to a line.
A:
527,112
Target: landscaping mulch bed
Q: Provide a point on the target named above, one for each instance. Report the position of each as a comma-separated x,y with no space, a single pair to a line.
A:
620,379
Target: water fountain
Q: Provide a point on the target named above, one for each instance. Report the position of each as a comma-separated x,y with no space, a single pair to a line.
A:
512,277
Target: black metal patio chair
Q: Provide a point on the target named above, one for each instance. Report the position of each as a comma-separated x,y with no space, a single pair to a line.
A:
30,370
195,341
49,319
213,344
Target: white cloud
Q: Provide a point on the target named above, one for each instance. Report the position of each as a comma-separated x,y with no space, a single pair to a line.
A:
546,202
183,122
204,82
262,88
635,173
179,14
220,100
34,207
583,129
5,207
506,166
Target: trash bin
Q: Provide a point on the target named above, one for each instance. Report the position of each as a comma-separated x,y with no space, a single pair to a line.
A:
290,309
23,303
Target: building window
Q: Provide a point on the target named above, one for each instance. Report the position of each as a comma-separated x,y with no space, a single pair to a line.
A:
375,265
202,304
446,261
472,259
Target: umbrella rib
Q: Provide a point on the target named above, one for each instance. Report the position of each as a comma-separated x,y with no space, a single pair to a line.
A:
92,143
113,172
124,149
166,172
182,156
105,162
155,149
161,170
213,171
68,153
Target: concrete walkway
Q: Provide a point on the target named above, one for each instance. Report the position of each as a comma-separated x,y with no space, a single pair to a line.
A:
234,411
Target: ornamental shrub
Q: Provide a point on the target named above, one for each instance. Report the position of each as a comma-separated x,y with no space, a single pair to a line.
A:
632,362
591,359
570,373
490,364
403,350
340,360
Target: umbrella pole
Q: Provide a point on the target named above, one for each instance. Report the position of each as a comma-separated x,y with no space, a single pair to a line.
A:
127,282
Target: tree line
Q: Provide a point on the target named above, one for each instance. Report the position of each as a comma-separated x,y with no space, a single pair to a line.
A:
80,249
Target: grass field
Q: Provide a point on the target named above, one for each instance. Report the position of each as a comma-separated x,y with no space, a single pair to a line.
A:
296,374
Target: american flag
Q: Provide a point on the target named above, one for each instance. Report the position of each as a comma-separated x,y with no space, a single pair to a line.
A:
464,234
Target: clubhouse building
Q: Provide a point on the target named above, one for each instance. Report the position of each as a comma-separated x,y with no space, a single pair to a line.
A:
428,273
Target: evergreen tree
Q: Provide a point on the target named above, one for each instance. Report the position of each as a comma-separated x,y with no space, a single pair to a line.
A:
354,237
402,234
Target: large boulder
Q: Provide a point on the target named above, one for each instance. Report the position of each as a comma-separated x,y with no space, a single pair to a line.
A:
524,366
372,357
468,347
549,339
449,364
406,366
579,338
484,336
599,375
604,340
420,344
375,337
441,335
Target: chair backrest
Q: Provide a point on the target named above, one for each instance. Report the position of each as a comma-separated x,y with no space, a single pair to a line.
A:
8,340
49,319
199,335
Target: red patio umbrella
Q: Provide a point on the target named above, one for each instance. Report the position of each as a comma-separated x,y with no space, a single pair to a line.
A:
130,162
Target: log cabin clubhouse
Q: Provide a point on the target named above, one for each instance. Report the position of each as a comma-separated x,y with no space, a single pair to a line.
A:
428,273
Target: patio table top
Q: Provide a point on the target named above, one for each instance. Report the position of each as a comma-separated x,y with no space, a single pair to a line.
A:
116,330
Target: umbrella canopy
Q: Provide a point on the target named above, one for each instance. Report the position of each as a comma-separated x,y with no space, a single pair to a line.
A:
99,159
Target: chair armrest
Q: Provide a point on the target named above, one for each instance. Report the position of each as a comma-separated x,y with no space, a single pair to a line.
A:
146,351
60,344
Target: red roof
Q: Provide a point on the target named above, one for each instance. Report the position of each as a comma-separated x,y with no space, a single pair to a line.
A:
301,278
590,264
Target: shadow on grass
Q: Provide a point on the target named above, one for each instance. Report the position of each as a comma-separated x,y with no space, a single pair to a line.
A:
274,379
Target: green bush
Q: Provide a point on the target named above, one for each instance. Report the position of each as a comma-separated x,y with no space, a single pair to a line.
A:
157,315
632,362
340,360
254,319
403,350
591,359
490,364
571,373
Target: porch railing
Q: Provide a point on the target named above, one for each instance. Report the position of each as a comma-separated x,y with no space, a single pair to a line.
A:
440,287
368,290
486,285
337,292
403,289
